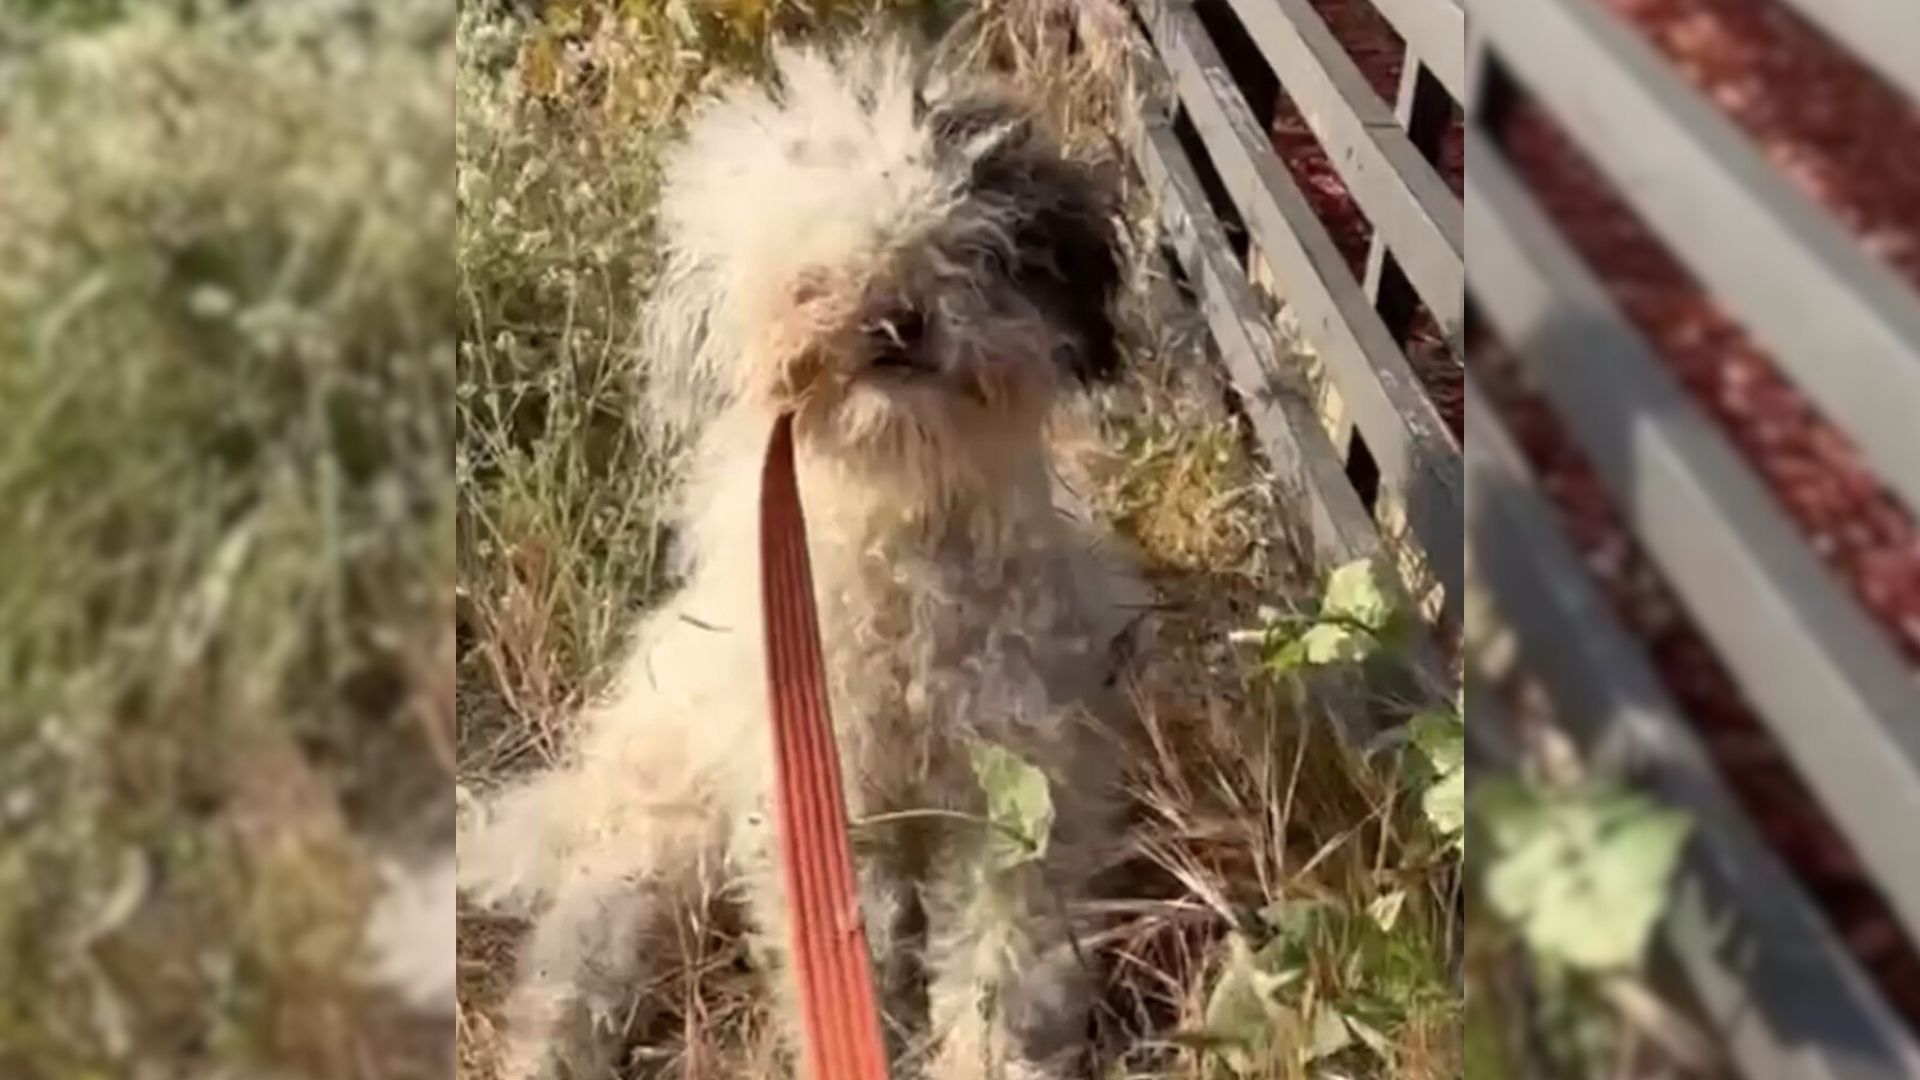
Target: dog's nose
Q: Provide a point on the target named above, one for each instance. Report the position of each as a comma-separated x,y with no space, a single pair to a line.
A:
896,339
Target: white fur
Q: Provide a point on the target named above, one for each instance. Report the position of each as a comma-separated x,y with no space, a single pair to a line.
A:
957,602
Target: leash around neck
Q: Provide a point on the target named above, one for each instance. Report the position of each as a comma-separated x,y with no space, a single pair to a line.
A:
840,1015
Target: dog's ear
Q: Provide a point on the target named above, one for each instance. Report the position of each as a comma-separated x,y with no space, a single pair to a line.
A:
1065,245
1070,258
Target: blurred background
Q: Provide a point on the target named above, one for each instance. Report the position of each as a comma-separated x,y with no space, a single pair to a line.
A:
1693,464
226,538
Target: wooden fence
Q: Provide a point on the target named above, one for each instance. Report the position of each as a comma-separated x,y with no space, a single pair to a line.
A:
1763,964
1352,432
1834,693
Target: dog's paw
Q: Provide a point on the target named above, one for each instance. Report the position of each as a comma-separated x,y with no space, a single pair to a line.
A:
503,859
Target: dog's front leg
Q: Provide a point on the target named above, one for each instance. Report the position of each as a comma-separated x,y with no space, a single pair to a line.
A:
1009,991
577,970
598,871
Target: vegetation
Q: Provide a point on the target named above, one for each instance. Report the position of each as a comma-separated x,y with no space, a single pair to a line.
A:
226,357
1283,883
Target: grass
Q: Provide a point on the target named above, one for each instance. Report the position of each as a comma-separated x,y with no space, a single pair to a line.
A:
226,357
1253,822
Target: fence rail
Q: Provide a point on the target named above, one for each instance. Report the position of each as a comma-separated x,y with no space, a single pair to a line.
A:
1834,692
1763,962
1418,225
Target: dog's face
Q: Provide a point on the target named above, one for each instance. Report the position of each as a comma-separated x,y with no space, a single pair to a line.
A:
915,273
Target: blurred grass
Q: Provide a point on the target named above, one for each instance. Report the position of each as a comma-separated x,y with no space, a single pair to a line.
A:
1244,803
226,372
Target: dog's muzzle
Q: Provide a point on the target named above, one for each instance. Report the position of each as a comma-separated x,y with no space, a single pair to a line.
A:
897,343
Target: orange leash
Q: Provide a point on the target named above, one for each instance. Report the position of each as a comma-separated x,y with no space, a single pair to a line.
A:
840,1016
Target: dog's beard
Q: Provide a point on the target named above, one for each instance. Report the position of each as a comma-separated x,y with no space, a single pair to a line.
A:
931,435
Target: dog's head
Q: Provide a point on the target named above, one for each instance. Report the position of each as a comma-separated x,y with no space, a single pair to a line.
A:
912,267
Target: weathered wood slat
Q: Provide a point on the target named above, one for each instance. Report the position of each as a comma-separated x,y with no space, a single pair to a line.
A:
1422,110
1833,690
1770,974
1393,183
1436,31
1885,34
1415,452
1296,446
1283,419
1836,319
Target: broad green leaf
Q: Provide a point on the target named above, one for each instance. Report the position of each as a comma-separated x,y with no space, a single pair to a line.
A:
1445,804
1330,1034
1353,592
1332,643
1442,737
1288,656
1584,876
1019,806
1243,1019
1509,808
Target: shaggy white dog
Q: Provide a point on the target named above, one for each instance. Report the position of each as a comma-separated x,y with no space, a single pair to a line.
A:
914,270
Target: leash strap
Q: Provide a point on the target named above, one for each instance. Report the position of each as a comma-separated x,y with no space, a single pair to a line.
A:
840,1016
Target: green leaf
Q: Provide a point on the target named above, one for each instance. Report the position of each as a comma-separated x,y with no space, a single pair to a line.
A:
1243,1018
1584,875
1330,1034
1445,804
1353,592
1332,643
1441,736
1019,806
1288,656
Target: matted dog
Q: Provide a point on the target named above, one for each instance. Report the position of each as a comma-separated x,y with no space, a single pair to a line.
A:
909,265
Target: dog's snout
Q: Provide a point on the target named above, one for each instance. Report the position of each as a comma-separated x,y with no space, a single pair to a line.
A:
897,338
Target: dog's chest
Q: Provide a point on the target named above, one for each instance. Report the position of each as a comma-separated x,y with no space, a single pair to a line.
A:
929,656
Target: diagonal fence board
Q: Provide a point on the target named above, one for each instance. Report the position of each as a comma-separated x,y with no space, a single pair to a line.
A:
1800,648
1835,318
1290,434
1282,418
1416,454
1799,1007
1436,32
1885,34
1400,193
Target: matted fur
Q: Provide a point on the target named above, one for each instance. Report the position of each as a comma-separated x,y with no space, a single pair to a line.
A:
910,266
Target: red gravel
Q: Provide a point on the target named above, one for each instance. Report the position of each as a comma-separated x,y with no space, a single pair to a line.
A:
1834,129
1851,145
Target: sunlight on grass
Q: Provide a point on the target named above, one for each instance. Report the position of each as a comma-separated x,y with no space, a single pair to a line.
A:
225,367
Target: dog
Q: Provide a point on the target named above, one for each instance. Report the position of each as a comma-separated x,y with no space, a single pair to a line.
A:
904,261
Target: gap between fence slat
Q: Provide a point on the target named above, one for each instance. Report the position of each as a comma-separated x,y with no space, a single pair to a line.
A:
1394,184
1436,32
1884,34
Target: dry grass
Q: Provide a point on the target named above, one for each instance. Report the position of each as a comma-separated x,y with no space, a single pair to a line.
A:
1245,802
225,363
